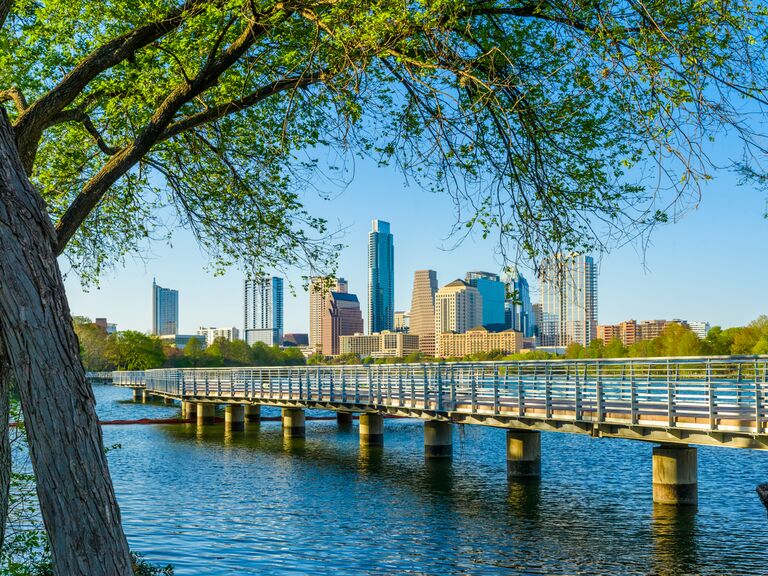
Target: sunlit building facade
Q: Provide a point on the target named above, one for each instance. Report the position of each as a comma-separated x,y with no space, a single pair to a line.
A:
381,278
165,310
264,311
422,321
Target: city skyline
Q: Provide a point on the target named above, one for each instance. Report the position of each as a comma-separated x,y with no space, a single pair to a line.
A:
664,285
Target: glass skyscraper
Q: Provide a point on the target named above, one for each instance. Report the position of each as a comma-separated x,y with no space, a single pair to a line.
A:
568,300
381,278
518,310
264,311
165,310
493,292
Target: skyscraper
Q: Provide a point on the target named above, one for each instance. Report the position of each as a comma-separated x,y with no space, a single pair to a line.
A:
569,300
458,307
423,310
381,278
493,292
342,317
264,311
518,310
165,310
319,289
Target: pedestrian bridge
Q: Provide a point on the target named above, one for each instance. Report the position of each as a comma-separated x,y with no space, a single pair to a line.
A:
671,401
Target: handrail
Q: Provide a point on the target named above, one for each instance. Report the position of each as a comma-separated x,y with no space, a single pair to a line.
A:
725,393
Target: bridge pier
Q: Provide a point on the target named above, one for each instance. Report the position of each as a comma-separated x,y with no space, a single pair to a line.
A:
371,429
188,409
675,475
234,417
293,423
146,396
206,414
523,454
253,413
344,418
438,439
138,394
167,400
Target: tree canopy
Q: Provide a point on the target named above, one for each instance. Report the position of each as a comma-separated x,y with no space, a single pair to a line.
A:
557,125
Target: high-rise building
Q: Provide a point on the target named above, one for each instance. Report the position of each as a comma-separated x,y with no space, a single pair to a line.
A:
518,310
319,289
381,278
538,317
458,307
264,311
423,310
165,310
108,327
342,317
493,291
569,300
209,334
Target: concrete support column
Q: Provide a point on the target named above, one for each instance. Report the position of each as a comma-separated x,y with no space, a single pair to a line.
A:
167,400
675,475
344,418
293,423
438,439
234,417
188,410
371,429
523,454
206,414
138,394
252,414
145,395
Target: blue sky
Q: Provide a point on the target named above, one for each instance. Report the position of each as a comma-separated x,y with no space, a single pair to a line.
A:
709,266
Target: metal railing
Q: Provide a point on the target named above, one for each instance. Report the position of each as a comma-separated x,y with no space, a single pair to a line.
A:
705,393
129,378
98,375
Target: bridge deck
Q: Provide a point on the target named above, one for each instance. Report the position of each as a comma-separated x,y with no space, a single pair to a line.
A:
712,400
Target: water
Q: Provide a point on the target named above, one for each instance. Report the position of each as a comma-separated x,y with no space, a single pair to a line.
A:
217,503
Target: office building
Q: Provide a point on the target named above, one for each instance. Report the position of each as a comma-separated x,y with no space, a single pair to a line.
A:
480,339
518,309
298,339
165,310
402,321
569,300
319,289
422,321
381,278
108,327
493,291
209,334
380,345
342,317
701,329
458,307
264,311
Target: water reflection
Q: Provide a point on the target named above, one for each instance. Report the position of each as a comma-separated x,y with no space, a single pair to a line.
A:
438,475
674,537
524,498
371,459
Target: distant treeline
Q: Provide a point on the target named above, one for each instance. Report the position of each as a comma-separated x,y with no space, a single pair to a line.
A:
132,350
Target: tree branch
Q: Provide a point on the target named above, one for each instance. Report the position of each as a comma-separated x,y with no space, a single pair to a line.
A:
15,94
126,158
5,10
216,112
77,115
36,118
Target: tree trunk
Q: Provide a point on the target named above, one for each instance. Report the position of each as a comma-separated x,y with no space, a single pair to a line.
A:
5,445
77,499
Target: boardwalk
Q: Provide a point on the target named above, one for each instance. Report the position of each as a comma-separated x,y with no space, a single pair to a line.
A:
719,401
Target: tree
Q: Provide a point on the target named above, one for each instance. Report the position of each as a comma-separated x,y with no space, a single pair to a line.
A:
132,350
574,350
193,351
615,349
543,121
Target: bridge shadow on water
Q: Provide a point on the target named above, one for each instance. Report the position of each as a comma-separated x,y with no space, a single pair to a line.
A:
527,517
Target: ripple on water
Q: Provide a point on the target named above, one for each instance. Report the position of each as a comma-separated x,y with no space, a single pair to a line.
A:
216,503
